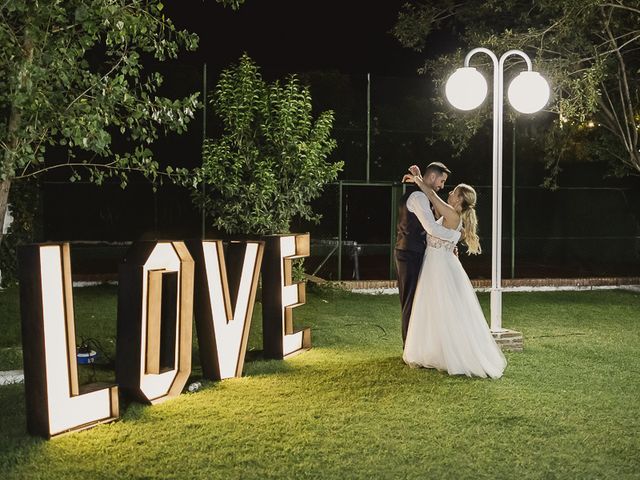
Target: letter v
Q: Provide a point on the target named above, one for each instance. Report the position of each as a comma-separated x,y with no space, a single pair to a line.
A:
223,332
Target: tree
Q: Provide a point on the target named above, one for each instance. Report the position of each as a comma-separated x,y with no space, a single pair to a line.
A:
269,162
588,49
71,75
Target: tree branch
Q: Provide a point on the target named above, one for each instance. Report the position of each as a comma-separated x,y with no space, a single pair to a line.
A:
116,65
621,7
625,95
611,121
106,166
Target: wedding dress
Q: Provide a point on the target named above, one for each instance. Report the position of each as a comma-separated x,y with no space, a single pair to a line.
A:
447,329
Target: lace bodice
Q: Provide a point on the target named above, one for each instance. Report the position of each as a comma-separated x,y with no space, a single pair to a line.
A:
435,242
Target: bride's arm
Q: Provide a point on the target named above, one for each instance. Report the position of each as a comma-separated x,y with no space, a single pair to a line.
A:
418,204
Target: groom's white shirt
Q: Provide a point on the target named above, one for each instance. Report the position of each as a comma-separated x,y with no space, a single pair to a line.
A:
418,204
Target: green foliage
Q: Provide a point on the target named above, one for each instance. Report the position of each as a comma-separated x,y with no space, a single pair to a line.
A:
416,21
588,50
234,4
25,228
270,161
71,75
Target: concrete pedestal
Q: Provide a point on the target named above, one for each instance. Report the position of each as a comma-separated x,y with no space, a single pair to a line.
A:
509,340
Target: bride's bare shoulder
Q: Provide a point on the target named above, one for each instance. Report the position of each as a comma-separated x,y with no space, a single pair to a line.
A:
452,220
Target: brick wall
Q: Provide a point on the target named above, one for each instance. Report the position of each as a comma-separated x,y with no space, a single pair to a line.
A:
518,282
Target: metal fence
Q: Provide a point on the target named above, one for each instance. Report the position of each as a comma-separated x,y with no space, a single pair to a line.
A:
588,226
546,234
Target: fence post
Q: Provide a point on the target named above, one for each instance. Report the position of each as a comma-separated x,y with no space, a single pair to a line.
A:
392,237
340,230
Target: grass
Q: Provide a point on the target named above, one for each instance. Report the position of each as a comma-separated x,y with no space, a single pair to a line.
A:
567,406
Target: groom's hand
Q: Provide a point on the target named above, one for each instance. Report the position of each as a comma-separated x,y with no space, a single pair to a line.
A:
415,170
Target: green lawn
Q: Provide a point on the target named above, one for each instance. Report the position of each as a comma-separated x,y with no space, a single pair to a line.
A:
567,407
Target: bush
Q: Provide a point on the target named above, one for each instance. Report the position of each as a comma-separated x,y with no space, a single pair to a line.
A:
271,159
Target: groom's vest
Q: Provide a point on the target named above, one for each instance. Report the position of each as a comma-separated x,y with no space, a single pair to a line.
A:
410,234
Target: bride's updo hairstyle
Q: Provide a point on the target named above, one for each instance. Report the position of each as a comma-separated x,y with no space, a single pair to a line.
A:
469,218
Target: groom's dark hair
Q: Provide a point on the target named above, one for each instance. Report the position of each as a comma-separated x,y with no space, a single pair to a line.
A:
437,167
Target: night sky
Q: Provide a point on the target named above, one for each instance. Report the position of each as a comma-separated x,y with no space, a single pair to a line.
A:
350,36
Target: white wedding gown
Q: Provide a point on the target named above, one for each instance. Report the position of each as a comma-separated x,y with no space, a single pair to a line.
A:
447,329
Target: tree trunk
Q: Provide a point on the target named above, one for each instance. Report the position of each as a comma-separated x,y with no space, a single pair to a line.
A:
5,186
12,130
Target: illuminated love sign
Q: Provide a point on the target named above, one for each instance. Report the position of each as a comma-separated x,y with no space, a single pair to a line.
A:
223,320
155,314
281,296
163,286
53,400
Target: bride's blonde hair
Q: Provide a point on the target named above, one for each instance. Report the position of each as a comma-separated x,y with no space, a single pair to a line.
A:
469,218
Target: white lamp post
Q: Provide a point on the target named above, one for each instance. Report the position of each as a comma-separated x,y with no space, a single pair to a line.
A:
529,92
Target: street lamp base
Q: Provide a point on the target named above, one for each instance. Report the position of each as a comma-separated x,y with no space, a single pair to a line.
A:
509,340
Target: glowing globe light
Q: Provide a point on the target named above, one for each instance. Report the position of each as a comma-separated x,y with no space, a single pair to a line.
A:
528,92
466,88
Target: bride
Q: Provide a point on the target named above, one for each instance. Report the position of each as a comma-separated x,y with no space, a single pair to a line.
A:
447,329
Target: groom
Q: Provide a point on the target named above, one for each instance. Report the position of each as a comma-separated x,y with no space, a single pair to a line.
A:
414,212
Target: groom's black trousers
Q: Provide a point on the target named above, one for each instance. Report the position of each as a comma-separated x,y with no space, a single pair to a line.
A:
408,265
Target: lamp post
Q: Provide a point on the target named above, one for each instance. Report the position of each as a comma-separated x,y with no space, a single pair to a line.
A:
529,92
